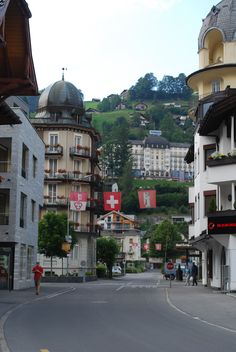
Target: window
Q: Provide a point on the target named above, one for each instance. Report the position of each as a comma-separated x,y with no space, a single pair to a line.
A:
208,150
5,154
23,209
33,205
53,141
210,202
52,192
35,164
77,140
25,161
52,166
216,86
4,206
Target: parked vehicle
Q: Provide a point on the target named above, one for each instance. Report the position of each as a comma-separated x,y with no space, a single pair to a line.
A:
116,270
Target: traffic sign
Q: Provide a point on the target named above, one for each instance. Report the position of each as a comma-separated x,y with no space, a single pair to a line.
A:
170,266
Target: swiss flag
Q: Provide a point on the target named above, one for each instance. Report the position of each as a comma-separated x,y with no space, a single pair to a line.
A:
147,199
112,200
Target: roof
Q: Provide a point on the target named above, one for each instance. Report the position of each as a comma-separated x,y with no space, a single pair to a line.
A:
222,17
61,93
17,75
189,157
7,115
128,217
156,141
217,113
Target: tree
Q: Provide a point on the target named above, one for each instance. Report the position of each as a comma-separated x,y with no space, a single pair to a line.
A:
144,88
167,235
53,229
107,250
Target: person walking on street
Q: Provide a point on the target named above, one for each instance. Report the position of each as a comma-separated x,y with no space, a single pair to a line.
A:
188,275
194,273
38,272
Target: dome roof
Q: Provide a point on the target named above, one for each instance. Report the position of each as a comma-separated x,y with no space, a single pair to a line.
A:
222,17
61,94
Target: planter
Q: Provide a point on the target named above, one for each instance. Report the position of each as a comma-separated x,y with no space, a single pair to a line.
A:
222,161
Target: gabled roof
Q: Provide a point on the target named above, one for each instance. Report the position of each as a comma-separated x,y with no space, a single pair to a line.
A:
128,217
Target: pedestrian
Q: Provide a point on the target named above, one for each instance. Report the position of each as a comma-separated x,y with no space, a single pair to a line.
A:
38,272
179,274
188,275
194,273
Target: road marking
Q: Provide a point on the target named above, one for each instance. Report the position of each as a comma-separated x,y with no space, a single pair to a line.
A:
120,288
44,350
196,318
99,302
3,319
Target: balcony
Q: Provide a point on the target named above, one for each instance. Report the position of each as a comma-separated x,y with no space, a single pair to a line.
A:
55,201
80,152
72,176
221,170
89,228
53,150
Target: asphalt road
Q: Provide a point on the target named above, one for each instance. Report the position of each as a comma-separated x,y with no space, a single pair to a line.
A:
128,314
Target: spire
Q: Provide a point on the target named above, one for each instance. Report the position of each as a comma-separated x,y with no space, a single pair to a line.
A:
63,69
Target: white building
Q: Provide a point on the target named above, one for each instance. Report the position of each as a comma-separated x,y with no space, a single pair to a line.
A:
213,228
156,157
125,230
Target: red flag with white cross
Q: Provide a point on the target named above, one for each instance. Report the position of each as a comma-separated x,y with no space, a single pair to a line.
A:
112,201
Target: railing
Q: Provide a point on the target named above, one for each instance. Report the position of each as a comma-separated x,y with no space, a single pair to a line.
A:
55,201
54,150
81,152
72,175
86,228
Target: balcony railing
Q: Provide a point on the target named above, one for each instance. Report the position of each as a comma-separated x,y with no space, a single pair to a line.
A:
80,152
54,150
55,201
86,228
72,176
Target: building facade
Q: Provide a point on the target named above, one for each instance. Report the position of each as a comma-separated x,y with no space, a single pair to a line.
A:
21,195
71,165
212,199
125,230
156,157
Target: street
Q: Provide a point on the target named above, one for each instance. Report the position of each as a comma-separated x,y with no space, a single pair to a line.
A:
132,313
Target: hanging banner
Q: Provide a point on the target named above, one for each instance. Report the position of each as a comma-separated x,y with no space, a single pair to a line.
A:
158,246
78,201
147,199
112,201
146,246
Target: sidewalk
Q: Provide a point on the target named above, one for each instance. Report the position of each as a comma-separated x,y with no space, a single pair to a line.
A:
203,303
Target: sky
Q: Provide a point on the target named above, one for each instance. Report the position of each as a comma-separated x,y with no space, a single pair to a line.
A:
107,45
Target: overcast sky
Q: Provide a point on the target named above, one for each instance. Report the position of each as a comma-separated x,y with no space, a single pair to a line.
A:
107,45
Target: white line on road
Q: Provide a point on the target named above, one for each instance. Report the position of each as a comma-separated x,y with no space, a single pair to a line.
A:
3,319
196,318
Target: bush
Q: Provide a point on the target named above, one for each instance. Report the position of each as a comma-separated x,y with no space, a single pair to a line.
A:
101,270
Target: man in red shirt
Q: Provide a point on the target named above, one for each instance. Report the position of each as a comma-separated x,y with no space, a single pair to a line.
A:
38,272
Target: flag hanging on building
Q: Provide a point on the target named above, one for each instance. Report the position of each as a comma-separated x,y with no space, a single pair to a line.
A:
112,201
147,199
78,201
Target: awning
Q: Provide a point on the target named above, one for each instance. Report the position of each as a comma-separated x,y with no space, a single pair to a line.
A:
7,115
